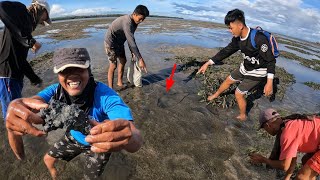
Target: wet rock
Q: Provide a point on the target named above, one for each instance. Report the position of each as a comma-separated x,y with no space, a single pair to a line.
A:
61,115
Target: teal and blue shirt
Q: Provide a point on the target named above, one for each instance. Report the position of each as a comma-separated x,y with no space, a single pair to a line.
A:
107,105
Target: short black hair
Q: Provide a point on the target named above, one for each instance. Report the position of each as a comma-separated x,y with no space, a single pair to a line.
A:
141,10
234,15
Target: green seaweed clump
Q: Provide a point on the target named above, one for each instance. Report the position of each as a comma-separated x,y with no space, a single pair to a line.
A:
313,85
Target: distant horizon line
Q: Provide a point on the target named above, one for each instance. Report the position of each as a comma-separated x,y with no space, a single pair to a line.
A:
70,17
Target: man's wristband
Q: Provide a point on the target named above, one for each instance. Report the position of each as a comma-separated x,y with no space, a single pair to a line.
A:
270,76
211,62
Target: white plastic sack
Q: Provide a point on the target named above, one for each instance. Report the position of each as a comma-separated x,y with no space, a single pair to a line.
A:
134,74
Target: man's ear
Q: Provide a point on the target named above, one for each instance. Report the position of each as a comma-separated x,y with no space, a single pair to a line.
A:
241,25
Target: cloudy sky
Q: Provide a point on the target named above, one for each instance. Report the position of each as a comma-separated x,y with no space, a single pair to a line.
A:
296,18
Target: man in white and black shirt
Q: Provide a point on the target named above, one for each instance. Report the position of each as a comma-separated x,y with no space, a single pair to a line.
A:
258,63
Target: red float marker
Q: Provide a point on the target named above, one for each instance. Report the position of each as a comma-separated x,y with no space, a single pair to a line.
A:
170,81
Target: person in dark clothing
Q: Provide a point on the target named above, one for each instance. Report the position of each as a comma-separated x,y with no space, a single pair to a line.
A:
258,63
16,40
121,30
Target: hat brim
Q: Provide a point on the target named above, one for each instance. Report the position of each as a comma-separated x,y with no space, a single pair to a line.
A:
276,116
83,66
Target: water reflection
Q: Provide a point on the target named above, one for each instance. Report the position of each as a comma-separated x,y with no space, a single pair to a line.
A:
196,36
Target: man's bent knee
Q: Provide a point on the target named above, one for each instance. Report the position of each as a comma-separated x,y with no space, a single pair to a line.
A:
48,159
239,93
112,66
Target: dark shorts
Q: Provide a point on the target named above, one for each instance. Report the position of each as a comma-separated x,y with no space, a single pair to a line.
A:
245,84
67,148
114,53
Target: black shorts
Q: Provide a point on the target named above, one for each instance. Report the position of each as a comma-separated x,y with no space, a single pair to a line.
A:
245,83
114,53
68,148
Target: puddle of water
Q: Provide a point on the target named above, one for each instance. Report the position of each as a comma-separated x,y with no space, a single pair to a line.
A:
301,73
90,30
203,37
301,99
54,31
101,25
306,56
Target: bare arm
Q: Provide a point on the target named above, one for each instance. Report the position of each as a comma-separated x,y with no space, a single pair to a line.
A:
19,121
278,164
129,33
231,48
291,169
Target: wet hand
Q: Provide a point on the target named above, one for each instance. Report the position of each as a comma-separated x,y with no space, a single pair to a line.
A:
109,136
203,68
268,88
36,47
257,158
142,65
21,115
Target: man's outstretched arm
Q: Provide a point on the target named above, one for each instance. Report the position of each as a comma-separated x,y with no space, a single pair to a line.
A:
278,164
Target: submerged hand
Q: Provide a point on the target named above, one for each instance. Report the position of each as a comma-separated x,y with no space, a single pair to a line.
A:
110,136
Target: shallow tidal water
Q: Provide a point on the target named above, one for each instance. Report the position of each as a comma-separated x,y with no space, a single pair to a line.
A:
183,138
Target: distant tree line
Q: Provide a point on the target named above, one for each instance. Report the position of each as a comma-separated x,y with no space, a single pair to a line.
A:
100,16
105,15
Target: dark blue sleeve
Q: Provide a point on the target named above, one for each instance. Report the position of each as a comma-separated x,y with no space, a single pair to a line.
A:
48,92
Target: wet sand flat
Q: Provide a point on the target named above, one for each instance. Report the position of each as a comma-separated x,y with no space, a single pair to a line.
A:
183,137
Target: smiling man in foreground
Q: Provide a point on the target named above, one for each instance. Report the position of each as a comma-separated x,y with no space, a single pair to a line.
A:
112,119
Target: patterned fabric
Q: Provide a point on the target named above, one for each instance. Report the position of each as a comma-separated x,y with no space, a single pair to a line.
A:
246,84
68,148
115,53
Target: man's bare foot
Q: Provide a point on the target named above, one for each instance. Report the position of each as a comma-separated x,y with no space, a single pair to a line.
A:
212,97
242,117
122,87
53,173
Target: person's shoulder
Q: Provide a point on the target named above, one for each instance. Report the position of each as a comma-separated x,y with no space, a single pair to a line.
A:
235,39
123,17
260,36
104,90
293,125
55,85
51,87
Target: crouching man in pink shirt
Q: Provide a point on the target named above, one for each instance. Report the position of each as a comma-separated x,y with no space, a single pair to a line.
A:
296,133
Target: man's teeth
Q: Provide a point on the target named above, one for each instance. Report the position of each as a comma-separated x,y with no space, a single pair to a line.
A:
74,84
